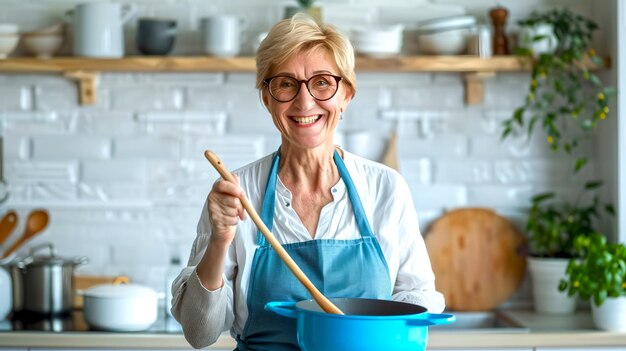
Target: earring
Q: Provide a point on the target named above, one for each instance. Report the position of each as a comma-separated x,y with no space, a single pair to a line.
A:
341,116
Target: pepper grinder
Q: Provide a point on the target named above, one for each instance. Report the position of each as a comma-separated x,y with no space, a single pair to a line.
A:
498,18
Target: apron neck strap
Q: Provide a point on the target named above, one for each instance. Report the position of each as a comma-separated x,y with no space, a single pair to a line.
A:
269,199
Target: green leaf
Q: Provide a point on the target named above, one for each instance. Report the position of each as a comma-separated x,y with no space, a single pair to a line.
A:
542,197
593,184
579,164
523,52
505,133
596,60
610,91
595,80
518,115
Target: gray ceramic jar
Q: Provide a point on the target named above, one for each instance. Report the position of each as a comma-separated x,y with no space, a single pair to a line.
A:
155,36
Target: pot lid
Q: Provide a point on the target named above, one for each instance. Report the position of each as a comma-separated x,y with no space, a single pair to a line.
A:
119,291
34,260
49,260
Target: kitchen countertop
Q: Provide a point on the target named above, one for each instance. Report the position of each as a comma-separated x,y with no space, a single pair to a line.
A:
540,331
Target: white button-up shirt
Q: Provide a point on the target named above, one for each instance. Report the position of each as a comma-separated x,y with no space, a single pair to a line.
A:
388,204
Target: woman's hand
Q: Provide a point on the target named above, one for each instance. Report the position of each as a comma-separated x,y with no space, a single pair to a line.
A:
225,210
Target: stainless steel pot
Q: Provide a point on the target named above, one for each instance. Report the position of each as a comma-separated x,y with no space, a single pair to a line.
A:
43,284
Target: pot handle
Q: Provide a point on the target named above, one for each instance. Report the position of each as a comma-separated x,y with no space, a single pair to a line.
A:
128,10
426,319
122,279
36,248
23,263
283,308
80,260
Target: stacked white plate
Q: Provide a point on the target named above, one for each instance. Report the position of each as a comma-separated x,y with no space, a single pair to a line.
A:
377,40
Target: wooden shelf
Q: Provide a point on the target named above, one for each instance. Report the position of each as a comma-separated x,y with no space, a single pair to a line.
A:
247,64
85,70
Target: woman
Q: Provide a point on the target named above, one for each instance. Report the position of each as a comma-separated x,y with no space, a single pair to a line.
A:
348,222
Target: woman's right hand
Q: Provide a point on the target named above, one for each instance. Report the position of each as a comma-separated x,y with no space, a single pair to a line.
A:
225,210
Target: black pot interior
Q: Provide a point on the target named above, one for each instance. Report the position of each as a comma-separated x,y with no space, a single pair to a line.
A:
366,307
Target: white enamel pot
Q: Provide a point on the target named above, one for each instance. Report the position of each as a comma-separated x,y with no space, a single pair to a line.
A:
120,307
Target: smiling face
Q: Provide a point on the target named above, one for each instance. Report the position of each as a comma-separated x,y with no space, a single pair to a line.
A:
304,122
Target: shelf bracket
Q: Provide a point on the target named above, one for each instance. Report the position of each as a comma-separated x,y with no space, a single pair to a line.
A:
474,90
86,84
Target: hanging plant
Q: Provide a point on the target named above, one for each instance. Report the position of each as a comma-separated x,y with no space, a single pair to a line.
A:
563,91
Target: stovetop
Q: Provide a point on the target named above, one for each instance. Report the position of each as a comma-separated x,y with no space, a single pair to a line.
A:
74,322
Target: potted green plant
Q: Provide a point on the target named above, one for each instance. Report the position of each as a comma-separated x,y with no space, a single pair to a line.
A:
599,275
552,229
306,6
566,101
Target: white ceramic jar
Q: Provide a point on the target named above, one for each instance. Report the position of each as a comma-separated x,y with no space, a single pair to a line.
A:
222,35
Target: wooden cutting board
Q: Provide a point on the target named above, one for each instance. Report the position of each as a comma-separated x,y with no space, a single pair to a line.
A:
477,257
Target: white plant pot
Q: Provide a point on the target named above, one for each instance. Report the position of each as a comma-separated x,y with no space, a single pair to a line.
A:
611,315
547,45
545,274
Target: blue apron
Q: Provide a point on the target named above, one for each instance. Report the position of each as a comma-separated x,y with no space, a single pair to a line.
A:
338,268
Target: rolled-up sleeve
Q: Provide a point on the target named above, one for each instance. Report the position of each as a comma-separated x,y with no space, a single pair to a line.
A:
203,314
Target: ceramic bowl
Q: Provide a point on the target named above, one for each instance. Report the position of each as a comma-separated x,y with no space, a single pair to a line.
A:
8,43
451,42
377,40
377,50
42,45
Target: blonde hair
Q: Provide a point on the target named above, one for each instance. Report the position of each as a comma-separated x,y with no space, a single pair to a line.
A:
298,34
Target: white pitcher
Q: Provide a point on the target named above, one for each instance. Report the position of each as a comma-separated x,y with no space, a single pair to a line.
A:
98,28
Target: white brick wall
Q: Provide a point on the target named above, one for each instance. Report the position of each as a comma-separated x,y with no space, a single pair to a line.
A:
129,173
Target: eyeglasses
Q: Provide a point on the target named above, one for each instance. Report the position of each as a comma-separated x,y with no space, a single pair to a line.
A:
322,87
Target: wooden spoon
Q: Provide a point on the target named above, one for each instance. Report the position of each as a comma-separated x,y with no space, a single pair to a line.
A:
7,224
36,222
321,300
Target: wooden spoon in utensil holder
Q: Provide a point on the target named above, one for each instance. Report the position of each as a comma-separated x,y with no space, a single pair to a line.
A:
36,222
321,300
7,224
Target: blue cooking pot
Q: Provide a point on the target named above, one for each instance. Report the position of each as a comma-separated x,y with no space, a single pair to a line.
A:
368,324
